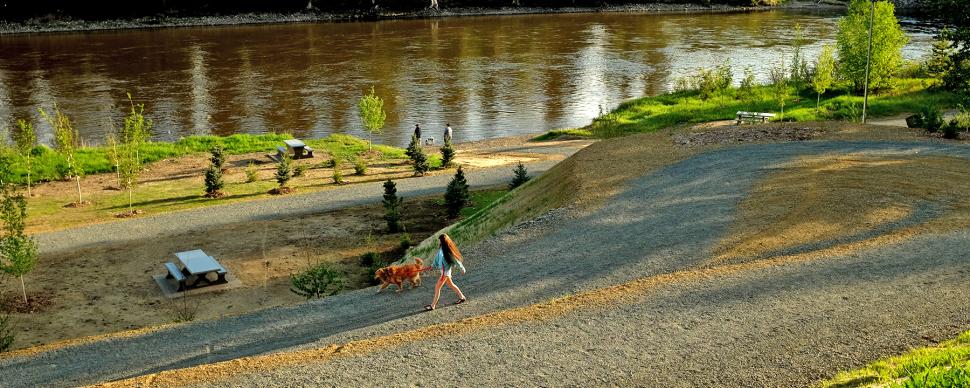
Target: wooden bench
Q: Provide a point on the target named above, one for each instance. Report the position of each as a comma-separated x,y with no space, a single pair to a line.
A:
753,117
309,152
175,273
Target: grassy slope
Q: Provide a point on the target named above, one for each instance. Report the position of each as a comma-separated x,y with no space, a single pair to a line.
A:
652,113
945,365
49,165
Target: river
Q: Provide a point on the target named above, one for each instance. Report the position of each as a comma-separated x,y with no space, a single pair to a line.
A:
487,76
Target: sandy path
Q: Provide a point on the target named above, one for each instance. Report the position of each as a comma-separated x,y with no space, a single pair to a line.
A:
757,326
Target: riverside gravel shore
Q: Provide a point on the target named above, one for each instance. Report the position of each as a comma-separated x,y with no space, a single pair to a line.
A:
778,325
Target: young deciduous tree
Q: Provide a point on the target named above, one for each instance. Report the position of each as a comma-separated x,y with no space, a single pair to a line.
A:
18,252
372,113
780,86
799,65
114,154
888,40
392,207
456,195
25,141
824,74
66,143
135,133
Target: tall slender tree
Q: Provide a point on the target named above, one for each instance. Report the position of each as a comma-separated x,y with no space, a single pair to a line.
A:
372,114
25,140
18,252
66,142
824,74
134,134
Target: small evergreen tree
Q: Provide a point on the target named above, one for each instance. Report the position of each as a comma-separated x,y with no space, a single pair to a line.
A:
18,252
413,147
252,173
218,157
447,154
25,141
418,158
521,176
824,74
456,195
941,63
283,173
213,182
392,207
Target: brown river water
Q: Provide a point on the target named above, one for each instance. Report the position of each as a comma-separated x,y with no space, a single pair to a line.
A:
489,76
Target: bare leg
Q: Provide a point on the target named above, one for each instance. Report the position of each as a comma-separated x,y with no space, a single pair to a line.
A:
437,290
455,288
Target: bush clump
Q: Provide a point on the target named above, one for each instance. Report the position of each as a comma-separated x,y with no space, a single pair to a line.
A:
317,282
360,168
252,174
299,170
6,333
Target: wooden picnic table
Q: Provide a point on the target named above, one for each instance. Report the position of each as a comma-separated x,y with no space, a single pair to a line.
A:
199,264
295,149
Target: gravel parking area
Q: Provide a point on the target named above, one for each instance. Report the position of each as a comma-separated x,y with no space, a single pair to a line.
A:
778,325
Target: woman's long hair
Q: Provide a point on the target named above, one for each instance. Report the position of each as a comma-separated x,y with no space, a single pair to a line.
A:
449,249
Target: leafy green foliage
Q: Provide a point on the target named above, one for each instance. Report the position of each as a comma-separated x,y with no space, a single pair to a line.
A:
956,15
360,167
888,40
18,252
136,131
456,194
370,258
338,177
283,173
824,74
800,75
317,282
521,175
372,116
300,170
392,206
447,153
6,333
781,90
707,81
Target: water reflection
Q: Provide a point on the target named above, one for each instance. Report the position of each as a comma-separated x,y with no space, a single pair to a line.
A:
487,76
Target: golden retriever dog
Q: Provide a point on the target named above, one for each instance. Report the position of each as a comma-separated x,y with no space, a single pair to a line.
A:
398,274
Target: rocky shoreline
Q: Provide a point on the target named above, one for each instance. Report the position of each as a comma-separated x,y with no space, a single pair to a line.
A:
53,25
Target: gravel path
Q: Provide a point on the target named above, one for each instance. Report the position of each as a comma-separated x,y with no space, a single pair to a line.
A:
292,205
757,327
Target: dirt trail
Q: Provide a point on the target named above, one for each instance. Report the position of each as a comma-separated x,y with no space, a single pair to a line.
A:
763,323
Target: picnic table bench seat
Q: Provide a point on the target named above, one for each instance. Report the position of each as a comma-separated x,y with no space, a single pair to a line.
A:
753,117
175,273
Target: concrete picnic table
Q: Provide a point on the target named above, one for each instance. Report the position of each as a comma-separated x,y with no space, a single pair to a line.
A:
198,263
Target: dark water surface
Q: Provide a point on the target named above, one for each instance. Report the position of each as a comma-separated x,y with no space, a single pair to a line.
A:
488,76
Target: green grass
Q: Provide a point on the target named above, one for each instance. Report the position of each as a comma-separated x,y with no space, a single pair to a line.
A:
945,365
653,113
49,165
481,200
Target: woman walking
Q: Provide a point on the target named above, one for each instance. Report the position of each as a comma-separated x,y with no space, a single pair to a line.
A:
447,257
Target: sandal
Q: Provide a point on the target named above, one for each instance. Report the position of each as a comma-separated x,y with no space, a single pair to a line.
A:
428,307
460,301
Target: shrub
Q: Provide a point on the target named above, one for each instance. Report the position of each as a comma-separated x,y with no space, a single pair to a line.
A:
931,119
747,84
283,171
406,241
317,282
330,163
447,154
6,333
360,168
456,195
951,130
252,174
368,259
521,175
299,170
338,177
183,311
213,182
392,206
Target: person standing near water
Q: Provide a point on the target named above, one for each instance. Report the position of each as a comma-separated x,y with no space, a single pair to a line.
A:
448,257
417,132
447,136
